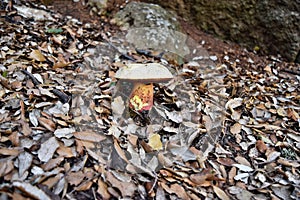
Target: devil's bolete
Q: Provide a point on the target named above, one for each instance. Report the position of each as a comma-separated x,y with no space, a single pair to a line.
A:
143,76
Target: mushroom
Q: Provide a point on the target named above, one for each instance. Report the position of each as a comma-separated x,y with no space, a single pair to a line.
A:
143,76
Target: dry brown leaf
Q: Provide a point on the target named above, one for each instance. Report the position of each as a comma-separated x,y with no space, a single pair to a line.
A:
126,188
120,152
226,161
9,152
179,191
75,178
52,181
236,128
6,166
37,55
4,82
18,196
293,114
67,152
289,163
61,63
261,146
84,186
47,123
281,112
102,190
220,193
52,163
16,85
231,175
15,138
243,161
26,130
203,179
89,136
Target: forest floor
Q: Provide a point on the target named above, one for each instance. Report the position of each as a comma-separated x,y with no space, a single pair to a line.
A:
226,127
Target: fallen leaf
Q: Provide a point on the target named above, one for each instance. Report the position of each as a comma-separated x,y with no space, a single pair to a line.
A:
64,132
52,163
102,189
89,136
236,128
31,190
47,123
233,103
174,116
118,106
175,189
220,193
25,160
242,177
126,188
6,166
37,55
243,168
272,156
75,178
155,142
261,146
84,186
47,149
9,151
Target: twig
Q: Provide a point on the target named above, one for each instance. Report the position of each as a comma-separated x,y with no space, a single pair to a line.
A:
291,71
154,184
149,53
61,95
34,80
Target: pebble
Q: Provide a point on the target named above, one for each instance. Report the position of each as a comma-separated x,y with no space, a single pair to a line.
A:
213,58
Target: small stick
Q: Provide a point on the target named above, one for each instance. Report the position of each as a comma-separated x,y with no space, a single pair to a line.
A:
34,80
291,71
61,95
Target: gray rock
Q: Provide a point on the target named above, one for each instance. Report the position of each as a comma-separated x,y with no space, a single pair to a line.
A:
137,15
152,27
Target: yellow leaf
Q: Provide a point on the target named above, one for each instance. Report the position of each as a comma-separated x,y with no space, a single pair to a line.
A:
155,142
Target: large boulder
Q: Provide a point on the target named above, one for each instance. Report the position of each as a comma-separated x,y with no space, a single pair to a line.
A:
270,26
149,26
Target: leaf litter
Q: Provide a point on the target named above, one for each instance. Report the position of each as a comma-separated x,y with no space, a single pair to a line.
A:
224,128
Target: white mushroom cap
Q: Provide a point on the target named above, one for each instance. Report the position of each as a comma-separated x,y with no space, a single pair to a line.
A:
149,72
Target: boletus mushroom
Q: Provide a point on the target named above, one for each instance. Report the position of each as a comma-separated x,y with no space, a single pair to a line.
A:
143,76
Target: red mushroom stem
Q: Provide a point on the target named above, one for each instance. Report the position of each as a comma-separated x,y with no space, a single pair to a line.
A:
141,97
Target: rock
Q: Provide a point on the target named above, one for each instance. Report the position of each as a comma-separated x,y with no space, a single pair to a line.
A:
100,4
269,26
137,15
152,27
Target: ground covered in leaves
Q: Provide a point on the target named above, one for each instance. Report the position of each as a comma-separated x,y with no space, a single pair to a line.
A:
227,125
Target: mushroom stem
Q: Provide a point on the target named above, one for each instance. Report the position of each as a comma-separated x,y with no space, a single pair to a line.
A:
141,97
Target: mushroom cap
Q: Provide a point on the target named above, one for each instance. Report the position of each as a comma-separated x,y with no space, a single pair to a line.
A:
149,72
